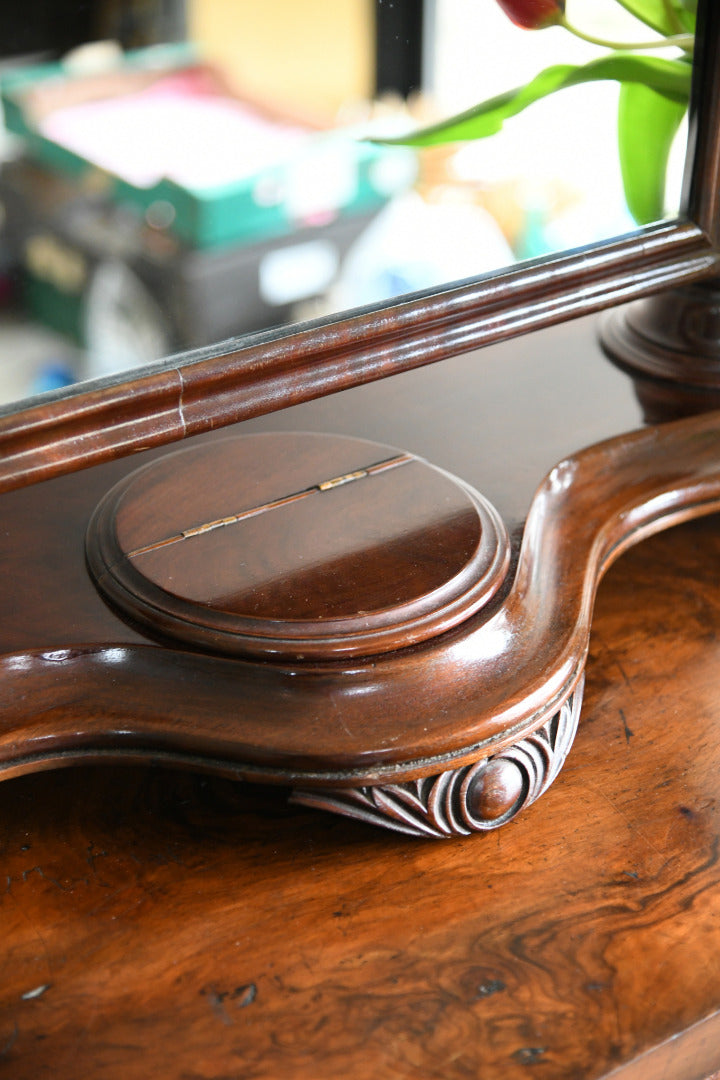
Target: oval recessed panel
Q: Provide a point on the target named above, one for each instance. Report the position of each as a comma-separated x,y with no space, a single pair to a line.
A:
296,545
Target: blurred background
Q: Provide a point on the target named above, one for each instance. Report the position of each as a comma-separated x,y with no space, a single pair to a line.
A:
177,172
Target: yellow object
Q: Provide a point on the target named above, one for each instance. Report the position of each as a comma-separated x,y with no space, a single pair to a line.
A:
305,58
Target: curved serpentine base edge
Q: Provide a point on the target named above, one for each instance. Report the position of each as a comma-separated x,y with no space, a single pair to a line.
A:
474,798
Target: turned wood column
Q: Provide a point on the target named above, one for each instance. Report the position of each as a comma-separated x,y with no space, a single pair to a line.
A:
670,344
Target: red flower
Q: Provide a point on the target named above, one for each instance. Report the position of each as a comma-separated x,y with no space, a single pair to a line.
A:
533,14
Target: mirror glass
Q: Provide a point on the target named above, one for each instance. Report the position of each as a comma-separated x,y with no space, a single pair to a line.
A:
178,172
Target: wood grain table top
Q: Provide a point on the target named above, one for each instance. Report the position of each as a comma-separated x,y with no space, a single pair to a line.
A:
165,924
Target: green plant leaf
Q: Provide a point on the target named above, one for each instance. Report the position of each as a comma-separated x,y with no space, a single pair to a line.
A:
653,13
686,11
665,16
668,78
647,125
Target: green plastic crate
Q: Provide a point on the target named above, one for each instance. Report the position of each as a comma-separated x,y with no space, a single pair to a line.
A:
331,174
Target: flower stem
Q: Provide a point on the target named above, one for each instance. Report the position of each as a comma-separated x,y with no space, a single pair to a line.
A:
678,41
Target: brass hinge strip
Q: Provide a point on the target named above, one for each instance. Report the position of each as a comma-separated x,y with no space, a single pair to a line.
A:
275,504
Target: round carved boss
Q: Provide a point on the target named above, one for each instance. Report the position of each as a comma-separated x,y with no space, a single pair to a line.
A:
298,546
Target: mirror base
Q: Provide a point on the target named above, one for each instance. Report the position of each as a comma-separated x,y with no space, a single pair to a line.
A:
670,345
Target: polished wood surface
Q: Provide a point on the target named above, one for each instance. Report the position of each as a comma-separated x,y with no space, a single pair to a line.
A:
159,923
670,344
225,385
445,703
296,545
79,682
164,924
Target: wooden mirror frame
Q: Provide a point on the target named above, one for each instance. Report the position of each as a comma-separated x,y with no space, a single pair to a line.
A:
199,391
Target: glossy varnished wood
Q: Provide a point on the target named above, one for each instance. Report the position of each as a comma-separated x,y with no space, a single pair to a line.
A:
166,925
161,924
228,384
80,682
446,702
296,545
670,344
465,416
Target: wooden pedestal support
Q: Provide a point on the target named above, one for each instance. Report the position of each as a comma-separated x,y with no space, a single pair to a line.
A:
670,344
336,616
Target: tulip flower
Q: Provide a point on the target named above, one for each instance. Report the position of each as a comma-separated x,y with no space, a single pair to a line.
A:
654,92
533,14
537,14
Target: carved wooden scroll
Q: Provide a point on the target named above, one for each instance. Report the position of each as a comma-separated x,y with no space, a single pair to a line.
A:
474,798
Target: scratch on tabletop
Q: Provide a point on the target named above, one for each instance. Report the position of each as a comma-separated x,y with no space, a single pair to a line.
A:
10,1042
628,733
612,653
632,825
22,912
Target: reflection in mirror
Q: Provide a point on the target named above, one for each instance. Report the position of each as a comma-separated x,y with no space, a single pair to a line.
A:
198,171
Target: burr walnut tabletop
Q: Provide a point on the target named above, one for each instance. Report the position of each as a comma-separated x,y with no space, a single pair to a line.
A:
158,923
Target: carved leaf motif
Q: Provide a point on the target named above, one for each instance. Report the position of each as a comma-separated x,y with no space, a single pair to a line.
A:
474,798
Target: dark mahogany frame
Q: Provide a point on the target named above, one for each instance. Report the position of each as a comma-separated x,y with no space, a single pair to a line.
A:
233,381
